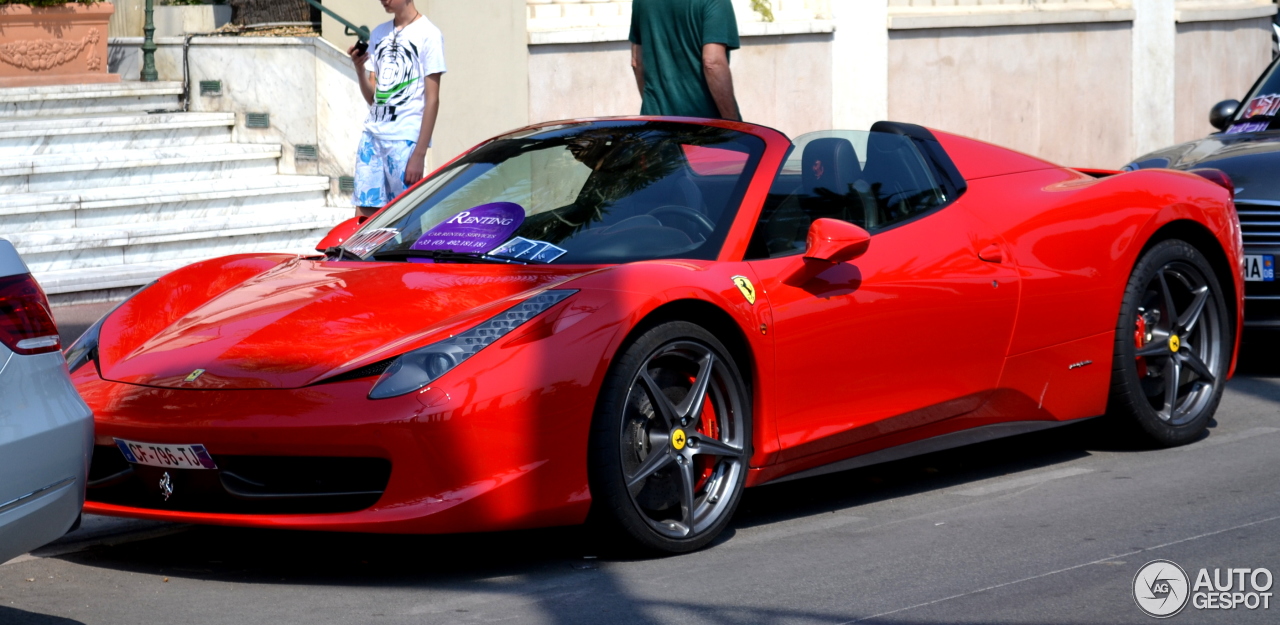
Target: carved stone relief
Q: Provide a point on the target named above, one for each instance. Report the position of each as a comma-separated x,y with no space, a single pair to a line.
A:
45,54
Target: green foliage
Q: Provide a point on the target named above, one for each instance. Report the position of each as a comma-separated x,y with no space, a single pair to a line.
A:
764,8
49,3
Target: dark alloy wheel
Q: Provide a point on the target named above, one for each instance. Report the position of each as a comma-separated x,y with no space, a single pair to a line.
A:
1172,345
671,440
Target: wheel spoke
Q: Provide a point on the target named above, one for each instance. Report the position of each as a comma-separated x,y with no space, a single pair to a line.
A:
706,445
1192,360
690,407
1191,315
1172,379
686,494
661,402
1170,311
655,461
1154,348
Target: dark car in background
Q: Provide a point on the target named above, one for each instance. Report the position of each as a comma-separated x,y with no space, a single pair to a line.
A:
1247,150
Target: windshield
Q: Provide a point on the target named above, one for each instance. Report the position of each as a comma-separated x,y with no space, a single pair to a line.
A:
1261,109
582,193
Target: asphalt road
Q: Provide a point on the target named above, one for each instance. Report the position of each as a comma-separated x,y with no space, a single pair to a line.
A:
1044,528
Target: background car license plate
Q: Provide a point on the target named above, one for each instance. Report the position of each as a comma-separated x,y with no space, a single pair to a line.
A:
167,456
1259,268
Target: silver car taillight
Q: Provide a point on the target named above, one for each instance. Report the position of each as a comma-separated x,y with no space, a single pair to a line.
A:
26,325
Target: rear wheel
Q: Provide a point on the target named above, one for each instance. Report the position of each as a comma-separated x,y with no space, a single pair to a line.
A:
670,440
1172,346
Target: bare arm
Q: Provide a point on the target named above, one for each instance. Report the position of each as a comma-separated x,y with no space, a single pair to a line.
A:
637,66
366,79
715,67
430,110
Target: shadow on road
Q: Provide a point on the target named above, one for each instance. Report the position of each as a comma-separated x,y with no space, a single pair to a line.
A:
278,556
14,616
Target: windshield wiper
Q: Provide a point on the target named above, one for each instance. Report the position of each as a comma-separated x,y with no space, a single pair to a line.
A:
440,255
342,252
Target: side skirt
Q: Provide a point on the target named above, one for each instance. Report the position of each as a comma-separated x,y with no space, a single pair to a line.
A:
928,446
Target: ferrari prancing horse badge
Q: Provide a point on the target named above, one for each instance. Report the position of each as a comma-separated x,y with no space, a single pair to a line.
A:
748,289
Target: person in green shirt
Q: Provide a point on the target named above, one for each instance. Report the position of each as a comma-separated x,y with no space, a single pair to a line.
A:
680,56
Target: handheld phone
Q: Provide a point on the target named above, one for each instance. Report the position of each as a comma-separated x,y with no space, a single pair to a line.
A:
362,46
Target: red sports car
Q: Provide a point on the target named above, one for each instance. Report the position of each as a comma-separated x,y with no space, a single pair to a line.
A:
640,317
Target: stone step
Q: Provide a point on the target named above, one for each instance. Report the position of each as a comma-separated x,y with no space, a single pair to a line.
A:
171,230
89,99
63,172
64,135
245,197
106,269
153,261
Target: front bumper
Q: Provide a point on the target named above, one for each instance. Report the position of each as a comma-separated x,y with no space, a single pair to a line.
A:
462,458
1262,299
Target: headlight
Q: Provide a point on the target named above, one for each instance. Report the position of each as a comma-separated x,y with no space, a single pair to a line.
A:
85,349
421,367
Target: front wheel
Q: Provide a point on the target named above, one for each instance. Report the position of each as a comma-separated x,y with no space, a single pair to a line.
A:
1172,346
670,440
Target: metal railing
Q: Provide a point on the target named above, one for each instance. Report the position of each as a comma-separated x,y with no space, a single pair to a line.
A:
359,32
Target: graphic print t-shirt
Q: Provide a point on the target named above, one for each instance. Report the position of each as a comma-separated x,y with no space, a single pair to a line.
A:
402,62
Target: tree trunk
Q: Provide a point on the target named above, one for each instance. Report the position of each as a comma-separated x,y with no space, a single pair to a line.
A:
247,12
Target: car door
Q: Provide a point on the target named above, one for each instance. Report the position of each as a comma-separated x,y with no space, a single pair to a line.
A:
914,331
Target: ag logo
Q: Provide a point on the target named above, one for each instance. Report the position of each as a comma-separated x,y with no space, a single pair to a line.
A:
1161,588
748,289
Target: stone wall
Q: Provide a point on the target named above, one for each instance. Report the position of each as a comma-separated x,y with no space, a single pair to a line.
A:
1060,91
1215,61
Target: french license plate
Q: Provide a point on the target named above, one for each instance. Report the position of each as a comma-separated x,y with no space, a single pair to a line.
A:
166,456
1259,268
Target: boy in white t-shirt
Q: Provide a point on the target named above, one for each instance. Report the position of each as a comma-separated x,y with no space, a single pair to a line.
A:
404,63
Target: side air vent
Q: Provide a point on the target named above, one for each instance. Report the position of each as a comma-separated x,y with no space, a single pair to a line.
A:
306,152
211,87
347,184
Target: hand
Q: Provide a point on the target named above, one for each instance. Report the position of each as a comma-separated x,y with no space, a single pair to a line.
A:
358,57
414,170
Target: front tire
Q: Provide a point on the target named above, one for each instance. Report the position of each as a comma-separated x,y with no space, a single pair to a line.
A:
1172,346
670,440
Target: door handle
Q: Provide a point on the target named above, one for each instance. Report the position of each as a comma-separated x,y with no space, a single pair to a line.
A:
992,254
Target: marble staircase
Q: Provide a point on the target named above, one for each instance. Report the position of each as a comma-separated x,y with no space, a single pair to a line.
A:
104,188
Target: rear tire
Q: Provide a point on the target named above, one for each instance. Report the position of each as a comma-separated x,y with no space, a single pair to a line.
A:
667,470
1171,347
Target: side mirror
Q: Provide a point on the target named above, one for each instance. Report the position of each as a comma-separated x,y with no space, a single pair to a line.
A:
341,232
1222,113
835,241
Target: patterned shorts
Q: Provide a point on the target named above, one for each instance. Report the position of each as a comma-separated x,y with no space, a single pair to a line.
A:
380,166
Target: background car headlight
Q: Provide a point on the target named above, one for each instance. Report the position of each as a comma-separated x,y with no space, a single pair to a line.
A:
85,349
421,367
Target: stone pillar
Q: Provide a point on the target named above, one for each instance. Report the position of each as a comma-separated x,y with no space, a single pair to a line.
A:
860,63
1154,36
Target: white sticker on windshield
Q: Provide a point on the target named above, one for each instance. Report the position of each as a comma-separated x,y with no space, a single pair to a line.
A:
529,250
364,242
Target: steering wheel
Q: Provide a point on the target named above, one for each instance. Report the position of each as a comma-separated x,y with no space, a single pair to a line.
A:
701,223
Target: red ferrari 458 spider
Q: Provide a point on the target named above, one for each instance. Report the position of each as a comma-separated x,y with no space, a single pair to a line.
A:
641,317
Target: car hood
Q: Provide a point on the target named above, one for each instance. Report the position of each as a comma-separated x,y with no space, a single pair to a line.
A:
300,321
1250,159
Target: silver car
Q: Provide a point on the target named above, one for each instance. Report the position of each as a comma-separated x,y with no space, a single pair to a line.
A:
46,430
